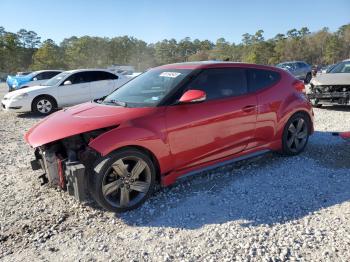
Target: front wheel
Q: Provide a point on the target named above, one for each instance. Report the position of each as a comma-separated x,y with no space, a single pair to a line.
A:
296,134
123,180
43,105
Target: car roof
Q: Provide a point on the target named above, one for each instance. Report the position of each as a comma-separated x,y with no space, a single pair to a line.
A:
214,64
88,70
53,70
290,62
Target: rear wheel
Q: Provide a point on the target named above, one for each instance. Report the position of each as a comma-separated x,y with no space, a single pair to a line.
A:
296,134
123,180
43,105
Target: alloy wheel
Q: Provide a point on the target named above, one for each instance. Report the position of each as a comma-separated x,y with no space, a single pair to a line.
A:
126,182
44,106
297,135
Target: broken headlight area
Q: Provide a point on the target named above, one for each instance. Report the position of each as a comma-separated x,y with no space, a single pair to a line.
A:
333,94
67,162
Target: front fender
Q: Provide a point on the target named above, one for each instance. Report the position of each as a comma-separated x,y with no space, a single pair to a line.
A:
134,136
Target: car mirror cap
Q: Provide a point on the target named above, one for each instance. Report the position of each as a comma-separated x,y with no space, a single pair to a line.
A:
193,96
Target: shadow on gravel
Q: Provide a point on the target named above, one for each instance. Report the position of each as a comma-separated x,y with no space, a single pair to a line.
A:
270,190
29,115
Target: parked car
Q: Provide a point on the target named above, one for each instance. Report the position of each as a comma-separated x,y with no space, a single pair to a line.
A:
32,79
332,88
300,69
65,89
170,121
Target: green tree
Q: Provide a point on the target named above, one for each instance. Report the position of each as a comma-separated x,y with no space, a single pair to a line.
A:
48,56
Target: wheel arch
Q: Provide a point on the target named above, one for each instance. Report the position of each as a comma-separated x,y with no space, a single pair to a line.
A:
133,137
44,95
147,152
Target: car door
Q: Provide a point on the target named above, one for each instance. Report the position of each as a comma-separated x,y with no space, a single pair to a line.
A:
221,126
74,89
102,84
264,84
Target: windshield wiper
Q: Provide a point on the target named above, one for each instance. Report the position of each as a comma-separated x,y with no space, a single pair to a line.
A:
119,103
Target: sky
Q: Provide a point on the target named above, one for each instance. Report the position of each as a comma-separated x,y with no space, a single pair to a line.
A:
156,20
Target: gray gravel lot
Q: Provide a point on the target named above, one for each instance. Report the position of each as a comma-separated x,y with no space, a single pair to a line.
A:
271,209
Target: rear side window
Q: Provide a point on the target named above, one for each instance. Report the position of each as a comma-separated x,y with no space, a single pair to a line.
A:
101,75
39,76
48,75
259,79
79,78
221,82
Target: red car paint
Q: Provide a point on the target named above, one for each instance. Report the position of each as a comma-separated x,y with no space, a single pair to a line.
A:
186,137
345,135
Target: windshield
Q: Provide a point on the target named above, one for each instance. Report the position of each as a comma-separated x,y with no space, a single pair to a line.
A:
55,80
148,89
343,67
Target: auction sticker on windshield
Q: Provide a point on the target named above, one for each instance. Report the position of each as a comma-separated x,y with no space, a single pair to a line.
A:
170,74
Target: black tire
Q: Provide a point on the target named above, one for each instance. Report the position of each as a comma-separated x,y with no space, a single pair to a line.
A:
44,105
308,78
107,186
295,143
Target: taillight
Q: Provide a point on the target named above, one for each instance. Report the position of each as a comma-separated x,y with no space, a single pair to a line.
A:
299,86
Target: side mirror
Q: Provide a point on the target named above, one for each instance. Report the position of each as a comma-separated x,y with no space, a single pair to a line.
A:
35,79
193,96
66,83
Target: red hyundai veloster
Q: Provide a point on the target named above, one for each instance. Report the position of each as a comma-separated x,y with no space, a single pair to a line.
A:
170,121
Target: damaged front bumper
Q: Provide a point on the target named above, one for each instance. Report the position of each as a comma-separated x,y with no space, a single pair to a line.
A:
62,173
335,95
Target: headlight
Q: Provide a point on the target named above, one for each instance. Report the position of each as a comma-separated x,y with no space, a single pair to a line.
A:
14,85
19,97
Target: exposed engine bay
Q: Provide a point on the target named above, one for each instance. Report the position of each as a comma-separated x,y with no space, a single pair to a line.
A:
67,162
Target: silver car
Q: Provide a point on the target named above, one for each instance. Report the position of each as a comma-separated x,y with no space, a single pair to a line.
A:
299,69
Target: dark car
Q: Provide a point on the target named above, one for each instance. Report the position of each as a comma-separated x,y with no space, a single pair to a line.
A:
300,69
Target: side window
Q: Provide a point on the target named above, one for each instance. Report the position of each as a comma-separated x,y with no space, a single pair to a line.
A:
259,79
221,82
39,76
48,75
79,78
101,75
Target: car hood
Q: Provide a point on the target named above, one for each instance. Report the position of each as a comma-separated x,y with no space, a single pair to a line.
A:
80,119
31,89
332,79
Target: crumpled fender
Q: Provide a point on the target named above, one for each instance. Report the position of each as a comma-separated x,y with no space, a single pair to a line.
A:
129,135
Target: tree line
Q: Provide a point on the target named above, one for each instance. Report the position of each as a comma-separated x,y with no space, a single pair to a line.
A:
24,50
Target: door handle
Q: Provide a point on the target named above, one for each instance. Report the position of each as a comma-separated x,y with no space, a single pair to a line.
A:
249,108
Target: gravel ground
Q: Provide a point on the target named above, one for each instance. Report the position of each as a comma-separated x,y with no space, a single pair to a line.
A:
271,209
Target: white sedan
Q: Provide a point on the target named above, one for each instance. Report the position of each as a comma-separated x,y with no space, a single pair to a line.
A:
65,89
